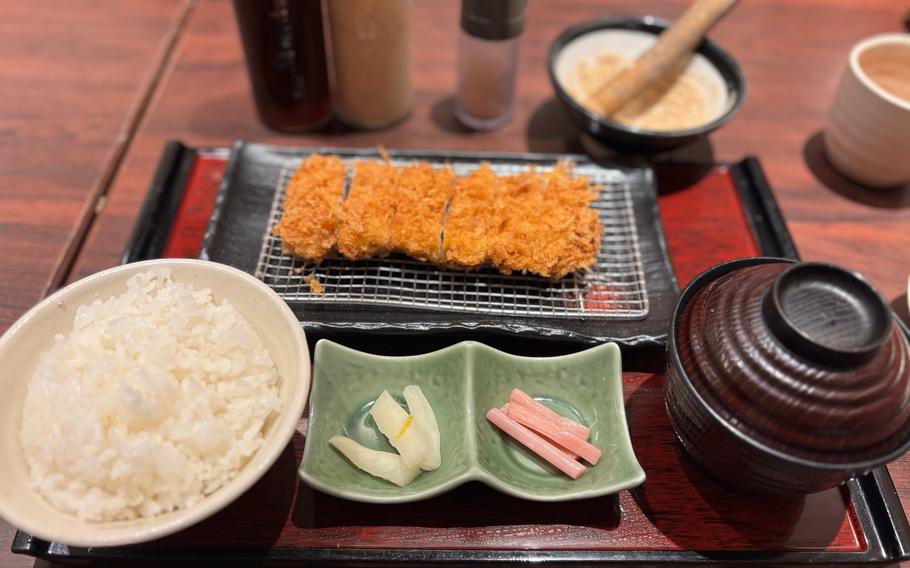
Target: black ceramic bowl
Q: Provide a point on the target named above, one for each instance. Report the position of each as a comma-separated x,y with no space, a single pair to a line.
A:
785,377
586,39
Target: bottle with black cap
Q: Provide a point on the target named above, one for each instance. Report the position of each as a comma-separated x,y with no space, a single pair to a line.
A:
488,61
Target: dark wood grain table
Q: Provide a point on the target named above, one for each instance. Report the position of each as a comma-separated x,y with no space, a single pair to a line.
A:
89,98
74,82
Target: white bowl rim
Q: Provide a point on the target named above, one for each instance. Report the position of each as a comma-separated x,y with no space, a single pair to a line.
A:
283,428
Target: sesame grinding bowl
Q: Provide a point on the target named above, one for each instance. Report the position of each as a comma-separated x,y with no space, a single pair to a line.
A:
712,72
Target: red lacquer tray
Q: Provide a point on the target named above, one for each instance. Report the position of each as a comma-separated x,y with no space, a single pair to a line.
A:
710,214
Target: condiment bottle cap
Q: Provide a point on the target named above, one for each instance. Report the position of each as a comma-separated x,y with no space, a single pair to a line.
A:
493,19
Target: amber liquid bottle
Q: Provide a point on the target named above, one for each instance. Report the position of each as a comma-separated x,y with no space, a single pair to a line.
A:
285,55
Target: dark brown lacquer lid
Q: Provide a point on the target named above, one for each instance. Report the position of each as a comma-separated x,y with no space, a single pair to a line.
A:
802,358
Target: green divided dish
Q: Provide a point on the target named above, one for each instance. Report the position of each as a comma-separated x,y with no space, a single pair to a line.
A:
462,383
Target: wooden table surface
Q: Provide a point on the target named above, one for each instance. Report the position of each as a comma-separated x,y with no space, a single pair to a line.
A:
90,97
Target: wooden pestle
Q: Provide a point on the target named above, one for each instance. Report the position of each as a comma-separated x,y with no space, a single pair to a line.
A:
674,43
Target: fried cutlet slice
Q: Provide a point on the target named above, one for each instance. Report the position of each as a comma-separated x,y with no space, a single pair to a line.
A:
312,208
574,222
543,224
469,218
515,235
423,193
368,211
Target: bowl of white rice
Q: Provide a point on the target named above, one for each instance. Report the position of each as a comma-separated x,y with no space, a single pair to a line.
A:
143,399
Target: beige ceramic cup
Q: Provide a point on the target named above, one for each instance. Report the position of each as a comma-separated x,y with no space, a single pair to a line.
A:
868,134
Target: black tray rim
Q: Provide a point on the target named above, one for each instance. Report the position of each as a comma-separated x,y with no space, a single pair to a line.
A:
879,551
876,504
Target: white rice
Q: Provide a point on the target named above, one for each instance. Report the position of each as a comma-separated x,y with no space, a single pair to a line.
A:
155,399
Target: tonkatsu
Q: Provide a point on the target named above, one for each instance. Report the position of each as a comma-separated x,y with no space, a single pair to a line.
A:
532,223
423,193
368,211
312,208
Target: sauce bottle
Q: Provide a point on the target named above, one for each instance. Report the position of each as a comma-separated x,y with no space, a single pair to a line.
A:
285,54
371,46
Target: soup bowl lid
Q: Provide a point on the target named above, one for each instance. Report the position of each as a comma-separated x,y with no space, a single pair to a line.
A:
802,359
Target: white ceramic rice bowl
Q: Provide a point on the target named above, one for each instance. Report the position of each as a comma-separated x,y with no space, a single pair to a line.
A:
33,334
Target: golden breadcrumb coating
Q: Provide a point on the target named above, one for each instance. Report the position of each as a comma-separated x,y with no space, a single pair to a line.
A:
423,193
315,285
518,230
543,225
367,214
537,223
312,208
574,224
470,217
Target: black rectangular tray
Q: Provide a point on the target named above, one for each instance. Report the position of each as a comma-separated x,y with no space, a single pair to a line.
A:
241,221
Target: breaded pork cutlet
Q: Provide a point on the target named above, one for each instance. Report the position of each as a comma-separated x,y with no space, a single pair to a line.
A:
312,208
470,217
574,224
543,224
423,193
518,233
537,223
368,211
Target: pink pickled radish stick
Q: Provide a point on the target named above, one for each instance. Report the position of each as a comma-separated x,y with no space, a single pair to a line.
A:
536,444
505,409
562,437
518,396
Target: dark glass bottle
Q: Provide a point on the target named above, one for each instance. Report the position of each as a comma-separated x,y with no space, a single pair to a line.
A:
285,55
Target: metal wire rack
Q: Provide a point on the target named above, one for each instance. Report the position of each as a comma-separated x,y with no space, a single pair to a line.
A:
614,288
